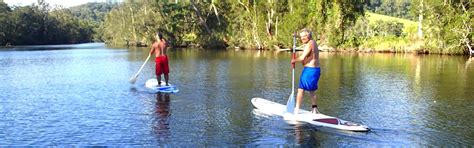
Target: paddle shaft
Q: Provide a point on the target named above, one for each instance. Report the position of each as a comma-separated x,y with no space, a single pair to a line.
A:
139,70
293,66
143,65
290,104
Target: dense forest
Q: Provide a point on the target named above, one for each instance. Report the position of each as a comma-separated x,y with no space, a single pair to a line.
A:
40,24
428,26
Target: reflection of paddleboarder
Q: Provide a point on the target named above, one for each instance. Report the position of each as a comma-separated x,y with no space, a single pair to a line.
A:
305,136
162,110
299,137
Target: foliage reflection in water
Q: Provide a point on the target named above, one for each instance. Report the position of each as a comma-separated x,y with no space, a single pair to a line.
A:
82,97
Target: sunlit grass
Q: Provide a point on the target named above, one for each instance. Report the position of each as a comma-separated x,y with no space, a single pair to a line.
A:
405,43
389,44
410,27
373,17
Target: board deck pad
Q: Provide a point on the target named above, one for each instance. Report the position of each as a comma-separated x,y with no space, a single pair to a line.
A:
273,108
152,85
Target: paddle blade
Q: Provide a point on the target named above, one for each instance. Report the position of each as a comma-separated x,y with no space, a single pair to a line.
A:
290,104
133,79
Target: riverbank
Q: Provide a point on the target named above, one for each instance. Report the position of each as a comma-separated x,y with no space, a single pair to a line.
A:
395,46
389,46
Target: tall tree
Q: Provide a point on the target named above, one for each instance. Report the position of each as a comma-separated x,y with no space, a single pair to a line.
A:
4,23
446,27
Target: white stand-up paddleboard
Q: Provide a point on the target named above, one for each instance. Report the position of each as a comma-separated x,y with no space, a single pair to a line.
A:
273,108
152,84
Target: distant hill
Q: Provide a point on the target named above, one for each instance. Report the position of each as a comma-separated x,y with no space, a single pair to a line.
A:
93,11
374,16
410,27
395,8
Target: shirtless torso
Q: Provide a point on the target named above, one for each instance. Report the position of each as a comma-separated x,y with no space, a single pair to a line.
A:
159,48
161,59
311,72
311,54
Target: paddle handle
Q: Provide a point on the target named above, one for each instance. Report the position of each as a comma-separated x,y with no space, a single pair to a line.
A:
294,48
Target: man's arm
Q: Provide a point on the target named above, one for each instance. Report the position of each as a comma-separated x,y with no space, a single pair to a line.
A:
152,49
306,52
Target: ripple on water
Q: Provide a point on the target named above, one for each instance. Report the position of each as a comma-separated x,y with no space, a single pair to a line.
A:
83,97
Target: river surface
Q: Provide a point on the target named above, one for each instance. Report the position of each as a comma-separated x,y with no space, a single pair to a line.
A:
80,95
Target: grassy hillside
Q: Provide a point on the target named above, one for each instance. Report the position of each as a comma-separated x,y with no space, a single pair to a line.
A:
407,42
410,27
374,16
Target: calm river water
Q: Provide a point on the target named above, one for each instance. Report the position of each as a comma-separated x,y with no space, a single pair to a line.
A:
80,95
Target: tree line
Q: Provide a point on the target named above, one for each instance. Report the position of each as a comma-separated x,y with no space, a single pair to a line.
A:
39,24
431,26
244,24
440,26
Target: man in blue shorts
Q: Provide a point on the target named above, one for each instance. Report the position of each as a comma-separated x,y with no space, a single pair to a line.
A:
311,72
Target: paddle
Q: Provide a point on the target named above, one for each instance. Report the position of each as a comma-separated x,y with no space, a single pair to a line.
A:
290,104
133,79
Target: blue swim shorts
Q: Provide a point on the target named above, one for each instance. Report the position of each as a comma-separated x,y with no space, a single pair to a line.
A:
309,78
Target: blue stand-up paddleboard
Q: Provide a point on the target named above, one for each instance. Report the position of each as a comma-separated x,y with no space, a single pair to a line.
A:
152,85
272,108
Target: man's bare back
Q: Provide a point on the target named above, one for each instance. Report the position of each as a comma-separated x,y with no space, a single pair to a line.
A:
159,48
161,59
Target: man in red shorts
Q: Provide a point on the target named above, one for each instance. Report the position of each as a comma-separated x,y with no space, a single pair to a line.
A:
161,59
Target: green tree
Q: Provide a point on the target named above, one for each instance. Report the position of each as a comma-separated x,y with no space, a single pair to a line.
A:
4,23
38,24
395,8
447,25
342,16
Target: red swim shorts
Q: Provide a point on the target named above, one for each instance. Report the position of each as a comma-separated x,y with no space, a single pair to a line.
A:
162,65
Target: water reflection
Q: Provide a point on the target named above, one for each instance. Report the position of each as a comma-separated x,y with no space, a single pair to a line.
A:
299,134
468,62
161,117
407,99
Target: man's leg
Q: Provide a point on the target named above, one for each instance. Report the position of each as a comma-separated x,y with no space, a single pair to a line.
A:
158,77
166,79
158,70
299,99
314,105
166,69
